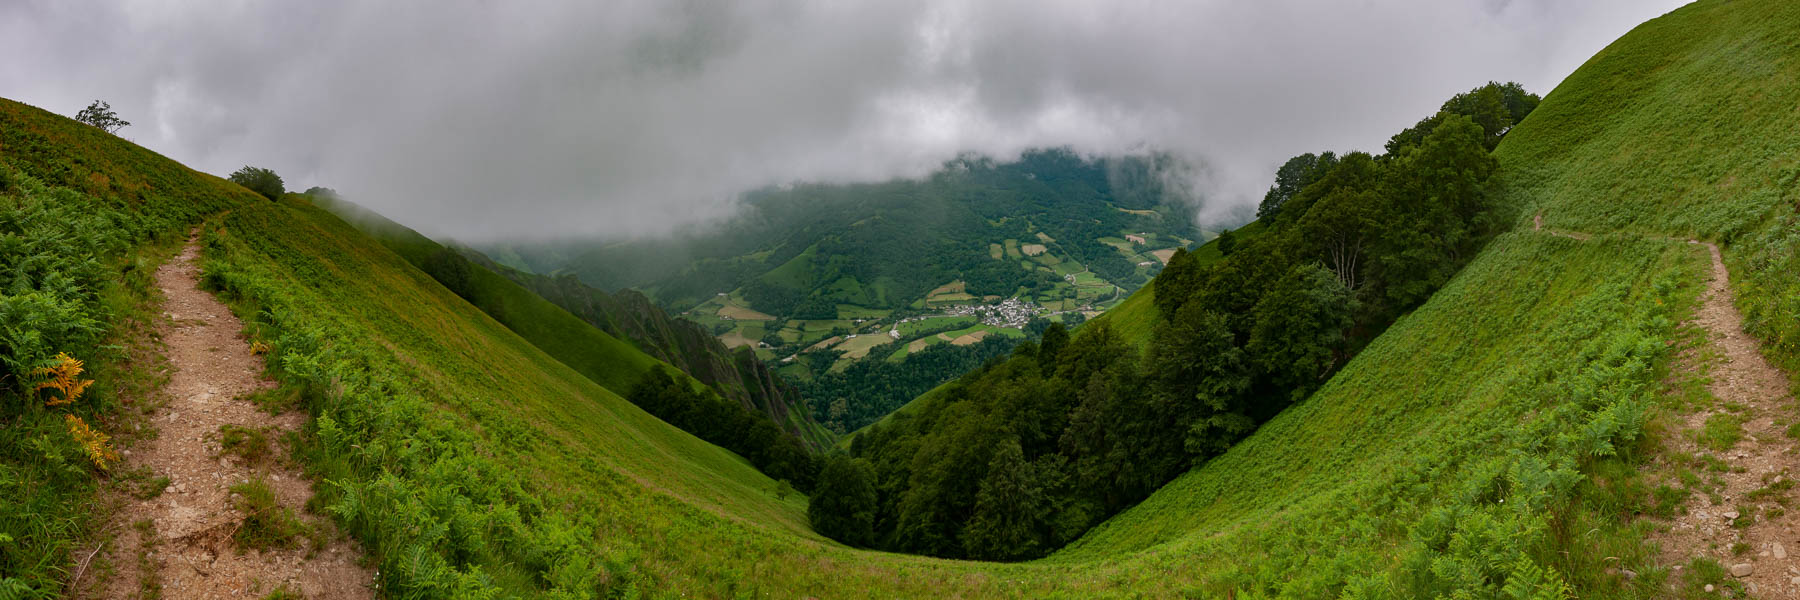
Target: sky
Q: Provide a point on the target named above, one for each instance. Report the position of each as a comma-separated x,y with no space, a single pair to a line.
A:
486,120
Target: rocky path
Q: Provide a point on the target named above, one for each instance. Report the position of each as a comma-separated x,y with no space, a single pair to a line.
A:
1745,519
184,541
1742,515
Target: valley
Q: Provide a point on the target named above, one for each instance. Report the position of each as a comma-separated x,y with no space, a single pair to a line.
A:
1530,348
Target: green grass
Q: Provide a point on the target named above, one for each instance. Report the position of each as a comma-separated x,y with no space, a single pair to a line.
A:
1489,439
1681,129
851,311
250,444
1722,431
86,218
609,361
267,524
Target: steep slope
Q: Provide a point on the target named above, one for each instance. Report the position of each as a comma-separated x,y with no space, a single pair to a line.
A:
84,219
597,347
1489,443
736,374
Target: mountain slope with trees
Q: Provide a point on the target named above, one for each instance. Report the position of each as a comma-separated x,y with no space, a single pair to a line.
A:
1492,441
1072,430
595,347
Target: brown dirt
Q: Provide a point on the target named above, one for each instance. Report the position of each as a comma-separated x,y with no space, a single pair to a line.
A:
1745,384
1164,255
739,313
194,518
970,339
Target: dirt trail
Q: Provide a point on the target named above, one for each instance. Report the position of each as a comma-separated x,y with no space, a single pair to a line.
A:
188,550
1750,490
1750,529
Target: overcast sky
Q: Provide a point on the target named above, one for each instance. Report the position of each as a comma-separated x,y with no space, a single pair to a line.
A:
487,119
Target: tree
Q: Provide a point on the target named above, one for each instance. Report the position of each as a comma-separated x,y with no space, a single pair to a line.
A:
1227,242
1299,330
1438,193
259,180
843,502
1496,107
1176,282
1197,376
1010,510
100,114
1293,176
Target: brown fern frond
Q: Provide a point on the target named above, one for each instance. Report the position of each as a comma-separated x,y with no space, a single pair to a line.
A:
65,377
93,443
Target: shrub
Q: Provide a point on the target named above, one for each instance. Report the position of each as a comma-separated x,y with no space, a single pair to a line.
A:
259,180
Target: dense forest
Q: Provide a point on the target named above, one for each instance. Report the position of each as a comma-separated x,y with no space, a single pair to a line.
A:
1024,455
726,424
868,390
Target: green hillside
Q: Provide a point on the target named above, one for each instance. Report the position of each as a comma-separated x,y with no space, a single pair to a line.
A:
1488,445
612,362
806,263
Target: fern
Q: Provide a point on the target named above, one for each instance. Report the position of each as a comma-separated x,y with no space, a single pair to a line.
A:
93,443
65,377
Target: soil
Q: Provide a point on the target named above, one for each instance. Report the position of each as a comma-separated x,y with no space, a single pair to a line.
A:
1746,385
189,551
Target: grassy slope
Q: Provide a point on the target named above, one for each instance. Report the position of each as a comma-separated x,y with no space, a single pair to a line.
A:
123,207
1685,128
613,363
1397,467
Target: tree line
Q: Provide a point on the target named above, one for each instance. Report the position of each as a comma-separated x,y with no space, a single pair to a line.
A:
1024,455
726,424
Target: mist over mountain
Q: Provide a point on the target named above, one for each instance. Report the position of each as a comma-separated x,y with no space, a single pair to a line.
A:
485,121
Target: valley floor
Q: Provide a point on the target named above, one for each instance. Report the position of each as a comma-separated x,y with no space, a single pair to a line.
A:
182,532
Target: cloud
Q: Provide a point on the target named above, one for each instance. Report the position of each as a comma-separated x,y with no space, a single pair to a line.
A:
482,119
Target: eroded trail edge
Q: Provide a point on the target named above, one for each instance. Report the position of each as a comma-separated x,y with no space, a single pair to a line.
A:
184,542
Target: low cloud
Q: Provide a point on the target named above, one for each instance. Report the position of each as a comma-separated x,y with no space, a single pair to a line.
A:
483,120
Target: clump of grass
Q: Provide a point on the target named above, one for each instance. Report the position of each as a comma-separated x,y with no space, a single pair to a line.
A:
1746,516
248,443
266,524
142,483
1702,572
1771,491
149,577
1668,501
283,592
279,399
1722,431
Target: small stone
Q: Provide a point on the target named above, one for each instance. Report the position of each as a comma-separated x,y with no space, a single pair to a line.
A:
1794,580
1709,588
1779,551
1731,514
1741,570
1629,574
